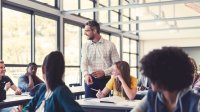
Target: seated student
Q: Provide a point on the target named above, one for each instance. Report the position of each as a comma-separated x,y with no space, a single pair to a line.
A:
54,95
171,73
6,82
122,83
27,81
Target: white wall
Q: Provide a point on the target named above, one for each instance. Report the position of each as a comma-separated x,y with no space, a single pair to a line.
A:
148,45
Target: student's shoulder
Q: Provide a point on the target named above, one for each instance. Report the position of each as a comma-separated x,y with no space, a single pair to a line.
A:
61,88
5,77
134,78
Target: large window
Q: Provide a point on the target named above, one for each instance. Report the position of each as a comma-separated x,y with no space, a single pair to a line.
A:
103,15
70,4
45,37
116,41
87,4
16,37
72,54
130,54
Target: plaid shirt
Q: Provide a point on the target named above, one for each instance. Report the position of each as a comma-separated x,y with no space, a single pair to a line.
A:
98,56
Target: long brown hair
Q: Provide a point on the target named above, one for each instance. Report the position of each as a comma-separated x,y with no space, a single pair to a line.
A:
124,69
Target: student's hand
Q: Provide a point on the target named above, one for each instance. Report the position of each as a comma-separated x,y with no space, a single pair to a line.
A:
98,74
18,109
7,86
18,91
100,94
88,79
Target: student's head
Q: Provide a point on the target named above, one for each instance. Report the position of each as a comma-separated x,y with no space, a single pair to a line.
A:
53,69
32,68
168,69
2,68
92,28
122,68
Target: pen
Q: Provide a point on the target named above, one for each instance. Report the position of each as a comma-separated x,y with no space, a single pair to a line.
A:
106,102
94,89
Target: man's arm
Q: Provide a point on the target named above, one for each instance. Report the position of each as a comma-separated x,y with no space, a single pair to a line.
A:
84,66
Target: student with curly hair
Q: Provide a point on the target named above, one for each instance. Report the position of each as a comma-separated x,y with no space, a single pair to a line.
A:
171,74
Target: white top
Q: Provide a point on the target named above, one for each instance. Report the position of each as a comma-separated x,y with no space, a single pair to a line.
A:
46,97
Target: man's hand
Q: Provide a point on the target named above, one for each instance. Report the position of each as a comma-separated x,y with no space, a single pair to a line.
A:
88,79
18,91
98,74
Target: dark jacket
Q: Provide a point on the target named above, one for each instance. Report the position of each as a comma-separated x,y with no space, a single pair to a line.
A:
60,101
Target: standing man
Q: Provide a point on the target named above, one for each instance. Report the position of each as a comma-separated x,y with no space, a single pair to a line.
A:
98,56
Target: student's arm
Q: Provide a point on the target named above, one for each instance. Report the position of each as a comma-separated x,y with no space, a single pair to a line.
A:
102,93
130,92
30,82
107,89
16,89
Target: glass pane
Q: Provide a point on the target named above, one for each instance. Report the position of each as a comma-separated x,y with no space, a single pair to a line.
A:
114,2
72,75
134,72
39,73
133,60
133,46
84,37
72,55
126,10
48,2
103,16
126,57
16,37
116,41
125,27
114,18
70,4
125,45
104,2
87,4
15,72
45,37
105,36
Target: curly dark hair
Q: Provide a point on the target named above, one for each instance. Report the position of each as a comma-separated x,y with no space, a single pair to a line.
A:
170,68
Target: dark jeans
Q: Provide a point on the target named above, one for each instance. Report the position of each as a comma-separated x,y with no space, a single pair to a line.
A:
98,83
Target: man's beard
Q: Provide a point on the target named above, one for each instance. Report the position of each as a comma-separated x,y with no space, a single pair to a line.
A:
91,38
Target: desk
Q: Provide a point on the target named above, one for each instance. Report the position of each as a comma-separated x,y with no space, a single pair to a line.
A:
77,91
94,105
15,100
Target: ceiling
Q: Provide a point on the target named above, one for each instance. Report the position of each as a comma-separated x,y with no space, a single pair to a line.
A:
184,21
159,19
